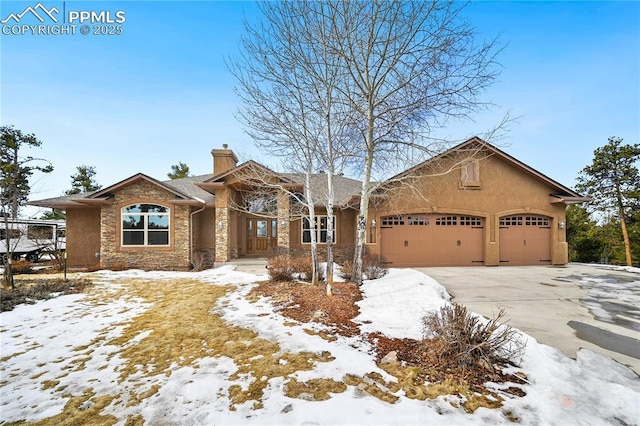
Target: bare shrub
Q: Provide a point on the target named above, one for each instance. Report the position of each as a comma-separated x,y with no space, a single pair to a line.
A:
21,266
460,339
302,265
346,270
280,268
373,267
277,251
341,255
118,265
199,260
33,290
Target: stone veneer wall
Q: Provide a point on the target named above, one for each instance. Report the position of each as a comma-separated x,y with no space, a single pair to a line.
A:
284,213
223,242
174,257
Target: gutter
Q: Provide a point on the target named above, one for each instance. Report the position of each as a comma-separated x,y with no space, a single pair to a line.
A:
191,237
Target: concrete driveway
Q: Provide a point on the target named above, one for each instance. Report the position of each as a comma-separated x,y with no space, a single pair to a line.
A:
572,307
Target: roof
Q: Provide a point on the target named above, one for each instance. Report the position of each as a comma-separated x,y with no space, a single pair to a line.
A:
344,188
184,189
197,189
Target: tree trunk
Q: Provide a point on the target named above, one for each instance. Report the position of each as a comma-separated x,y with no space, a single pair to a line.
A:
625,238
330,226
361,233
14,189
312,220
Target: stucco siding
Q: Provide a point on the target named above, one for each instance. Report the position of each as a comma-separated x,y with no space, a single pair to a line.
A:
83,237
504,189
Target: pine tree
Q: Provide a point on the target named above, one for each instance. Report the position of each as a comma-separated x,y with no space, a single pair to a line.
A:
15,170
83,181
178,171
613,181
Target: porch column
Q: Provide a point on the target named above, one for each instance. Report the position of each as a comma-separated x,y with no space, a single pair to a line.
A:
223,230
284,213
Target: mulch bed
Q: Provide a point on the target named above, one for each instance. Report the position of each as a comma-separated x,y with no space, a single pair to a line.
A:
309,303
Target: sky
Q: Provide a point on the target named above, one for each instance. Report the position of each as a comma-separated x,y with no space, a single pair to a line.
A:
160,92
45,347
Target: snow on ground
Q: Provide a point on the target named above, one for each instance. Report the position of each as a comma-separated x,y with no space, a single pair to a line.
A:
46,341
614,299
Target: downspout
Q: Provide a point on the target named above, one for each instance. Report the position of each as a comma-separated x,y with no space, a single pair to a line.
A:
191,237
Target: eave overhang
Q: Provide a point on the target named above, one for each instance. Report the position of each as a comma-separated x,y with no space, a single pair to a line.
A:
555,199
210,186
191,202
96,201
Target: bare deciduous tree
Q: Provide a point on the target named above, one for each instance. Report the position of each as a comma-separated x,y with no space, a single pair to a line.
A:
380,75
287,82
410,67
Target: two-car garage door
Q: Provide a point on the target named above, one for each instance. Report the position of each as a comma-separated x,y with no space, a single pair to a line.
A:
432,240
456,240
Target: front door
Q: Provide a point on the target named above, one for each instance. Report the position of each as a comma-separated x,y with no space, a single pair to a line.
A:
261,235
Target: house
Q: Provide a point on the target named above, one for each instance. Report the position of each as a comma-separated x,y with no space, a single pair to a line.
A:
472,205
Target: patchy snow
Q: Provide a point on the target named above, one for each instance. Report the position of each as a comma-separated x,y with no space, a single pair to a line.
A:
614,298
37,342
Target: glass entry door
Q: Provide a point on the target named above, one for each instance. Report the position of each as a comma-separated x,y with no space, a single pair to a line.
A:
261,235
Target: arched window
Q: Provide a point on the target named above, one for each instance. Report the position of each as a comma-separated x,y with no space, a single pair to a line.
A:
145,225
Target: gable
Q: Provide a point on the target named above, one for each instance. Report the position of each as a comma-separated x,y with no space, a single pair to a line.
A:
141,190
466,162
474,180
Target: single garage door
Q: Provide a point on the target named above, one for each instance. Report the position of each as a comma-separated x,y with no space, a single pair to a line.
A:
525,240
432,240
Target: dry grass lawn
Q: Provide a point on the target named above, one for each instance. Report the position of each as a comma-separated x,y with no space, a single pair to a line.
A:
179,328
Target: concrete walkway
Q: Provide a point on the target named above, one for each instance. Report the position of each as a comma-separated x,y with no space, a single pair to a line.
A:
252,265
545,302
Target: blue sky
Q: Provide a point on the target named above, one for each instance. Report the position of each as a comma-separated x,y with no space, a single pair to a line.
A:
160,92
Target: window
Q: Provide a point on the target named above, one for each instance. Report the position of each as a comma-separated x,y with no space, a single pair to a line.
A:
511,221
14,234
393,220
39,232
470,221
536,221
145,225
524,220
418,220
319,228
261,204
261,228
447,221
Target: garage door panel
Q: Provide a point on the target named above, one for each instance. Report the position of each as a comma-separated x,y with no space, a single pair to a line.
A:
432,240
525,240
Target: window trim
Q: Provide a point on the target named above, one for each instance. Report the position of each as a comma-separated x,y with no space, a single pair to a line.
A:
168,214
470,174
318,230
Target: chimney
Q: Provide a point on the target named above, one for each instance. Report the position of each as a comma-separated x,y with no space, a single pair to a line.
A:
223,159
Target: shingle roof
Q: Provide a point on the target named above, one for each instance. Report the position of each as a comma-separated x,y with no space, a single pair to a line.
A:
185,186
344,188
